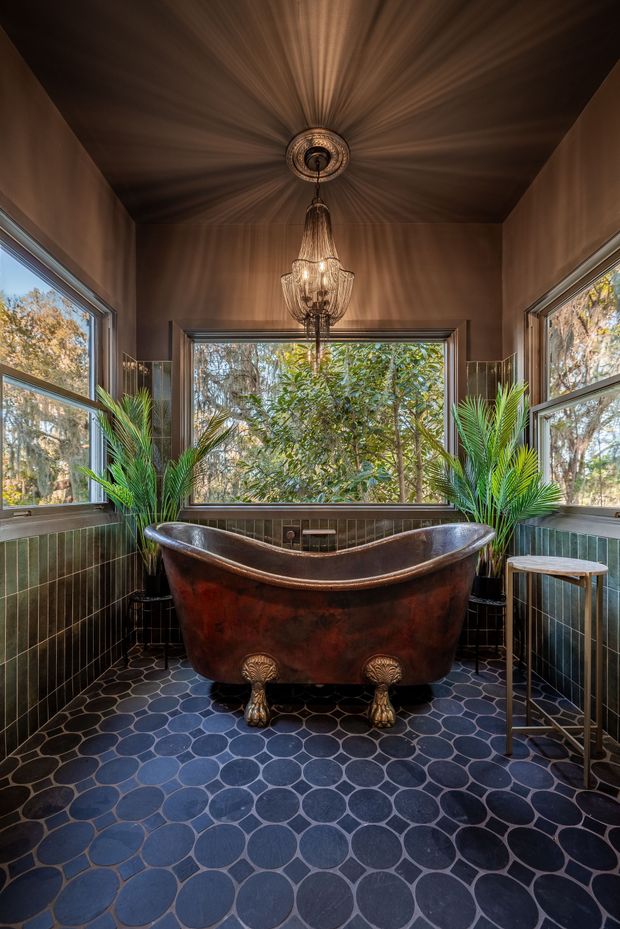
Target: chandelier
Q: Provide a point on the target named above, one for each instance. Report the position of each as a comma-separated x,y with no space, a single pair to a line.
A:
317,290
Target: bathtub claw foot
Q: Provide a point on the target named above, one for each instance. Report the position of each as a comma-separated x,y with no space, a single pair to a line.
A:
382,672
258,670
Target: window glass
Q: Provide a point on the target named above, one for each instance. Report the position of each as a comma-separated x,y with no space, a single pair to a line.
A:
45,440
345,433
581,449
42,332
583,337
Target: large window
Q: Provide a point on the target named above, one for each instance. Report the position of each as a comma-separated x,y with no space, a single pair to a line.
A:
578,422
48,372
347,433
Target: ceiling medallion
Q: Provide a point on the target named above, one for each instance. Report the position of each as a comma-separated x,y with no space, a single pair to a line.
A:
300,163
317,290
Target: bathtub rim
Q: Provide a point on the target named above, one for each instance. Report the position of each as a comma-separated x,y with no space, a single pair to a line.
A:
478,540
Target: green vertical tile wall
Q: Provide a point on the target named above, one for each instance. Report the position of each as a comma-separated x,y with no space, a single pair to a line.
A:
62,598
558,612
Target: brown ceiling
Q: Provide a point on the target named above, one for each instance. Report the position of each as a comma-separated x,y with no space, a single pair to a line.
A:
450,107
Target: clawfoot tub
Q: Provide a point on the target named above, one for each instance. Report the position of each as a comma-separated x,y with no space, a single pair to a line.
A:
387,612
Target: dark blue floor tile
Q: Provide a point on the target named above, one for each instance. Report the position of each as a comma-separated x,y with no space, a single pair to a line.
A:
376,847
76,770
185,804
146,897
324,901
28,894
47,802
430,847
416,806
18,839
463,807
316,805
510,808
324,805
482,848
324,846
197,772
535,849
600,807
277,804
232,804
363,773
140,803
606,888
370,805
86,896
447,774
219,846
566,902
281,772
588,849
385,900
322,772
205,899
66,842
116,843
272,846
116,770
239,771
93,803
445,901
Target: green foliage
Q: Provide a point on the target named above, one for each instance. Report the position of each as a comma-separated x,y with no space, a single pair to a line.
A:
345,433
583,438
132,482
45,441
498,482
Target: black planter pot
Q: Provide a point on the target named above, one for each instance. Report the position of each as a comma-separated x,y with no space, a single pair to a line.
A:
487,588
156,585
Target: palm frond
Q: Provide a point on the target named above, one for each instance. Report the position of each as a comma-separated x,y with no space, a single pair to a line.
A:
131,478
499,481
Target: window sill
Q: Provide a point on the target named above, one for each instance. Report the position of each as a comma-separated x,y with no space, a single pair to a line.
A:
61,520
605,527
318,511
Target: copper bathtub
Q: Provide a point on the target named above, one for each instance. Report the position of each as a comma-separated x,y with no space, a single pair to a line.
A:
387,612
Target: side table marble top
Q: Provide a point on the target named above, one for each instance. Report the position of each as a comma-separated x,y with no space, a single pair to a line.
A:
549,564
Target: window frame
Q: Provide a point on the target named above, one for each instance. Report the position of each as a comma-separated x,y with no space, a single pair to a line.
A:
537,361
184,335
17,521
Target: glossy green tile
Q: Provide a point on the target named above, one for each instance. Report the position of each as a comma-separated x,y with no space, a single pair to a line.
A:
22,564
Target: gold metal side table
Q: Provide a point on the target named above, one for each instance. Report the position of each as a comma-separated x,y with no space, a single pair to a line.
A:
581,574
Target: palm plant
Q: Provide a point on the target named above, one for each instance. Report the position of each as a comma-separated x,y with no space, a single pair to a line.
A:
498,482
131,480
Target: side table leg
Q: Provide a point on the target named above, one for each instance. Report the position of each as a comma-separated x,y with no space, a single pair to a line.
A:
477,638
528,653
509,596
599,666
167,636
587,680
126,626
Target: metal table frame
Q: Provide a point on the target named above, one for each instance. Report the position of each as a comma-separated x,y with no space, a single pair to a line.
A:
582,578
140,602
498,608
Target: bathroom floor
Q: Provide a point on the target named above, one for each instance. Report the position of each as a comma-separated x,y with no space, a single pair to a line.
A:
148,802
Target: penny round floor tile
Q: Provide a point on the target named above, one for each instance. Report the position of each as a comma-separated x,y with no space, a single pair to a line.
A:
205,899
148,801
146,896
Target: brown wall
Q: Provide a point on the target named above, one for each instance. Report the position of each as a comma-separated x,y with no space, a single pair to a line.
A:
406,274
570,210
53,189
